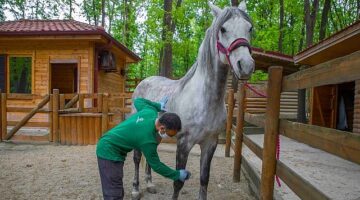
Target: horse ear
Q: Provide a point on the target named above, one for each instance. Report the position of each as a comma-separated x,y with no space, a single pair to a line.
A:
242,6
215,10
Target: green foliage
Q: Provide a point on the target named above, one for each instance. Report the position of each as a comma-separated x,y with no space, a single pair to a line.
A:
20,74
138,25
258,76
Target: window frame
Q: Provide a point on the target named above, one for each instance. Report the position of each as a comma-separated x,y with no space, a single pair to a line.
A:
8,70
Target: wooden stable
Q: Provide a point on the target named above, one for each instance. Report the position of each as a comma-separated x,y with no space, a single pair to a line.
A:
337,70
38,56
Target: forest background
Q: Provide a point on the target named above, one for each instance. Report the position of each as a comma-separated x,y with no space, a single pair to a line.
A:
166,34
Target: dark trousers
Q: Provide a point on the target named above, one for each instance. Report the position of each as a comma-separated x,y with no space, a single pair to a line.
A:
111,175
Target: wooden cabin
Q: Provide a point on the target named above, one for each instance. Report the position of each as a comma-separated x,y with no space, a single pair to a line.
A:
37,56
337,105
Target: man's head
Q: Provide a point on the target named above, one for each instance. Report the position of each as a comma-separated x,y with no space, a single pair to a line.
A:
168,123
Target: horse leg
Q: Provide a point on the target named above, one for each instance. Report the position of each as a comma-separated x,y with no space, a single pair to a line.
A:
207,152
150,187
182,154
135,194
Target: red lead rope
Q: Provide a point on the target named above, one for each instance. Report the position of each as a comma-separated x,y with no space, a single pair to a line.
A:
277,179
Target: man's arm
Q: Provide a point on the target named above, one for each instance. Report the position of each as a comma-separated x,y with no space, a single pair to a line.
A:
152,157
141,103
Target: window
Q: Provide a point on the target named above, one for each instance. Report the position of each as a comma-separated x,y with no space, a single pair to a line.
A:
20,74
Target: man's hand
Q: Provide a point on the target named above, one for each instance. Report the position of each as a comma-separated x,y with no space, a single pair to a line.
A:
163,102
184,175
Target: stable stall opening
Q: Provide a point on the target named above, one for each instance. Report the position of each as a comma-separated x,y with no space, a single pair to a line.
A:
64,77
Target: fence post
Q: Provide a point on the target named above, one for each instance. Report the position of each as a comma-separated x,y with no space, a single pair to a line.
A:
271,132
0,118
81,102
51,132
56,137
239,131
229,121
99,102
3,116
104,118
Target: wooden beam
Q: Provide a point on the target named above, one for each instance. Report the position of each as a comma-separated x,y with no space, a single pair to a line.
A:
255,119
300,186
19,109
239,132
29,124
253,146
229,121
343,144
72,101
55,108
3,115
28,117
340,70
104,118
271,133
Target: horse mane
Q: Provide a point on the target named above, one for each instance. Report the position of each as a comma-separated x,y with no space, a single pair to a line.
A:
205,58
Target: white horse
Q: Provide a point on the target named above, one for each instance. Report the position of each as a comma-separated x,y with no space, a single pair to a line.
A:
199,97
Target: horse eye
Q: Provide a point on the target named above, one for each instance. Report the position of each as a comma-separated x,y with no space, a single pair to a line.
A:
223,30
251,29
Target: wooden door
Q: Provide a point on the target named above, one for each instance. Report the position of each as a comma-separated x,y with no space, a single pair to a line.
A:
64,77
324,106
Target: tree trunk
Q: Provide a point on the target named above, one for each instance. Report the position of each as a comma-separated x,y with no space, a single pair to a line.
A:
111,15
324,19
166,54
71,9
103,13
235,3
94,13
281,27
310,20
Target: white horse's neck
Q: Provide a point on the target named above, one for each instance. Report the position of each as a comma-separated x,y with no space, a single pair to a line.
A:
208,82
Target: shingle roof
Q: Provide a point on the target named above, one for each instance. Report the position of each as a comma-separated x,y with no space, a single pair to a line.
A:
46,26
57,27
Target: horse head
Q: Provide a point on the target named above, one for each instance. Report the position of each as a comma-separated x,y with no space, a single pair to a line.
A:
232,28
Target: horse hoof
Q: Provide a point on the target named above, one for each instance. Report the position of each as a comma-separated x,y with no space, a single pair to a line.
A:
135,195
151,188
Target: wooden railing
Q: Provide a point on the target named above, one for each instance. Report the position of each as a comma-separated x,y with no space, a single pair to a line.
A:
70,116
343,144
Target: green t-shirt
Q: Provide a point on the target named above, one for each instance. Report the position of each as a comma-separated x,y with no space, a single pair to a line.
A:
136,132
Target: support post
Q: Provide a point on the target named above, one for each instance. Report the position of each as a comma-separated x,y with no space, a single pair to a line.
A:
3,116
239,131
104,118
271,132
99,102
51,130
81,102
229,121
55,108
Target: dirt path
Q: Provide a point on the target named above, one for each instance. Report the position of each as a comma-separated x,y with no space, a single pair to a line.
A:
70,172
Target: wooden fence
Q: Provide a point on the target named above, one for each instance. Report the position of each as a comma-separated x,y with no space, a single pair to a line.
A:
73,119
340,143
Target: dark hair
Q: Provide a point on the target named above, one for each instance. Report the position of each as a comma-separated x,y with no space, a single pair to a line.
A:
171,121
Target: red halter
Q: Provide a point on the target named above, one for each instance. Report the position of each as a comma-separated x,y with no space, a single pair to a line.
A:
234,45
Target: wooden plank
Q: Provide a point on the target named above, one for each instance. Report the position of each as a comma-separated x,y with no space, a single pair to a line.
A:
256,119
85,130
62,130
19,109
239,132
271,132
99,103
30,138
229,119
91,130
3,116
339,70
79,130
81,102
253,146
301,187
253,175
72,102
29,124
104,120
343,144
67,121
73,130
27,117
50,117
97,128
55,109
62,102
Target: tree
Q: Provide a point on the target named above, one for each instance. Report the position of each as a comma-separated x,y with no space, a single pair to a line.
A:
281,26
310,20
324,19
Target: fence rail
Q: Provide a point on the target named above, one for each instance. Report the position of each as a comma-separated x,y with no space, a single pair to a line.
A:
343,144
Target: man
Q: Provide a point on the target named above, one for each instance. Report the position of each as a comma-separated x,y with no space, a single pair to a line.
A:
142,131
